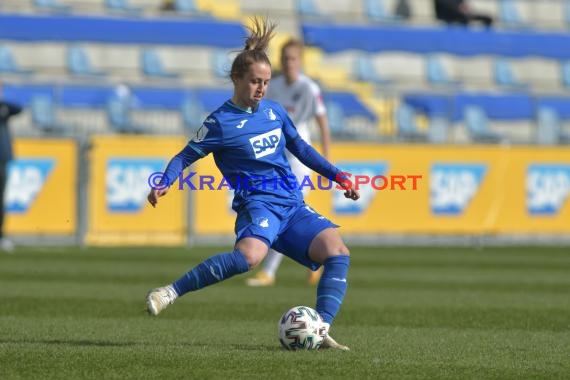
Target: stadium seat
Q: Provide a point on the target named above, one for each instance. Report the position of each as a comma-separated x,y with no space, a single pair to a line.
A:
307,9
119,116
78,62
504,75
477,125
364,70
336,119
375,11
221,63
567,13
8,64
436,73
44,115
118,110
189,8
406,124
565,68
152,65
192,113
549,131
52,6
510,16
121,6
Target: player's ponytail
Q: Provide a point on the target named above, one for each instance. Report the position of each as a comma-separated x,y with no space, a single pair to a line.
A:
256,45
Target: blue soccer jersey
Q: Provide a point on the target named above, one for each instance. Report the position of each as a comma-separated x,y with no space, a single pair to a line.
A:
249,150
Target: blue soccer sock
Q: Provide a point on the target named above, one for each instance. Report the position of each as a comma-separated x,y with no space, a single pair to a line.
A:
332,287
210,271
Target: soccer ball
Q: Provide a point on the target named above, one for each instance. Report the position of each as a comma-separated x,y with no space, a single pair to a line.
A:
301,328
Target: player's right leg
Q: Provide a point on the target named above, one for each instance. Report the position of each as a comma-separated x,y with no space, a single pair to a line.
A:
256,228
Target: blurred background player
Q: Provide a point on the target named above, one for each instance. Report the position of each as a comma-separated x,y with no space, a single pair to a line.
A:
302,99
7,110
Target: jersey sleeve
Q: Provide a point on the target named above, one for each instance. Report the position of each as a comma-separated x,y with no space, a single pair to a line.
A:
207,139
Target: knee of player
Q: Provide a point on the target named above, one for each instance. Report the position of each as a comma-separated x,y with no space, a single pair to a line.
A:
340,250
253,259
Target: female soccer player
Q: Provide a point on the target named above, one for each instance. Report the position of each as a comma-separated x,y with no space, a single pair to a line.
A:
247,136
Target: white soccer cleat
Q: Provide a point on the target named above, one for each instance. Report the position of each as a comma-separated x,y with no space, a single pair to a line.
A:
158,299
329,342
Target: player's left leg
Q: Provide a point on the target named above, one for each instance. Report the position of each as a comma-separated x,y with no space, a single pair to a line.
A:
329,249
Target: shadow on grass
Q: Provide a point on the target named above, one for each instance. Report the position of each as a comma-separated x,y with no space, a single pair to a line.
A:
74,343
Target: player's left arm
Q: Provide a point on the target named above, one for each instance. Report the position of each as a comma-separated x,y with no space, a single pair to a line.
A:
313,159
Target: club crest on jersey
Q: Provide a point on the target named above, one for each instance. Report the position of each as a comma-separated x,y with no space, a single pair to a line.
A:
266,143
201,134
270,114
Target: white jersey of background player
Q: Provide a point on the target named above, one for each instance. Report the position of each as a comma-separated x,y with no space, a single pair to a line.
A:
302,99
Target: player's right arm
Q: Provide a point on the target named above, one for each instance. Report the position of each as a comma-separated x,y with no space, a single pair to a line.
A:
207,140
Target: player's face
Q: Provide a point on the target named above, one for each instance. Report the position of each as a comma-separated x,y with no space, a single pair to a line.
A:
251,87
291,61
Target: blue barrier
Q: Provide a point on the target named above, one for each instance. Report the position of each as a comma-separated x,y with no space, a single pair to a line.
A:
453,40
163,31
501,107
85,96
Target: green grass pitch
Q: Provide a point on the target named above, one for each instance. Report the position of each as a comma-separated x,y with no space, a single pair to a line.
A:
410,313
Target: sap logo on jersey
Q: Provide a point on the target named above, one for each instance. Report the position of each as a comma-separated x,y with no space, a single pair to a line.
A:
547,188
26,179
342,205
452,186
127,183
266,143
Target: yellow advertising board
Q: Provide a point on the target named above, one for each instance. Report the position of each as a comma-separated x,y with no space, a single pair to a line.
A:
119,172
41,192
427,189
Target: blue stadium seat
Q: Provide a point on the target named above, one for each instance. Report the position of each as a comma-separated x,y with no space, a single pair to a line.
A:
477,125
119,116
364,70
504,75
189,8
436,73
307,9
221,63
121,6
406,124
192,113
152,66
510,16
375,11
44,115
8,64
565,68
52,6
550,127
335,116
567,13
78,62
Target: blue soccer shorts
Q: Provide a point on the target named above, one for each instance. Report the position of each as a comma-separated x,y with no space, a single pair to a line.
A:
288,230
